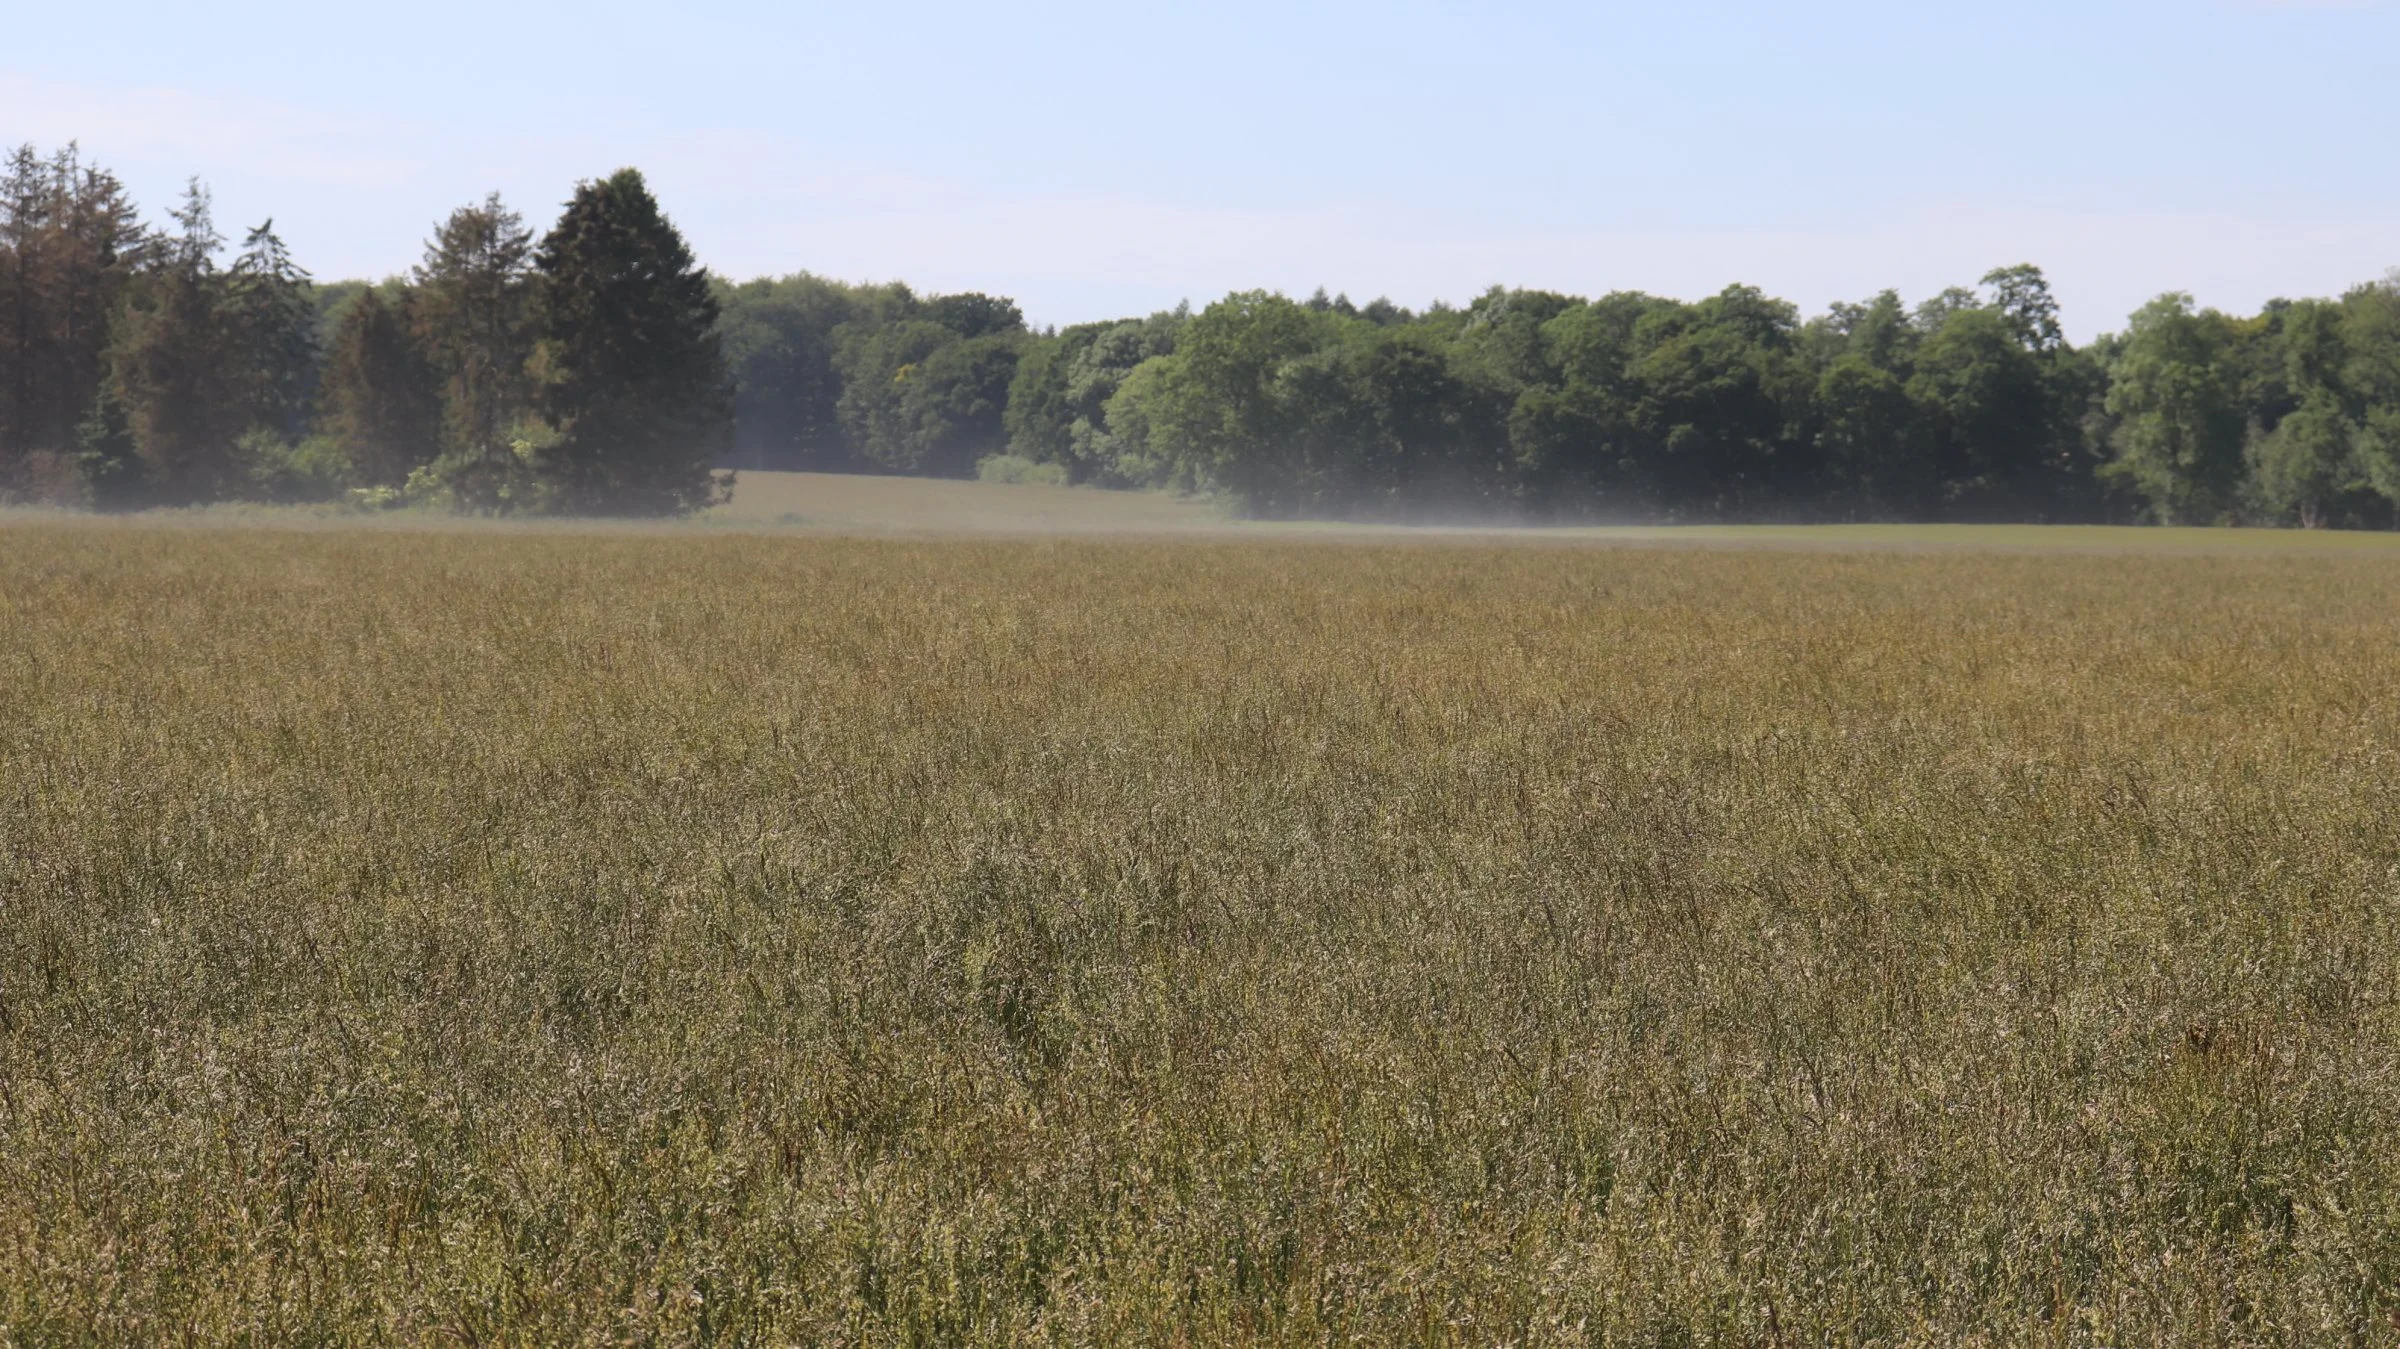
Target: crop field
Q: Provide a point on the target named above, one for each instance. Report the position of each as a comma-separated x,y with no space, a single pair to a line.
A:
762,933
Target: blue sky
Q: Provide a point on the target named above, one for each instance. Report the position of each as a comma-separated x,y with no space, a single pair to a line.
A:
1096,159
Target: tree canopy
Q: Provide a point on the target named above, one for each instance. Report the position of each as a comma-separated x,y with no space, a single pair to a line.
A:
603,369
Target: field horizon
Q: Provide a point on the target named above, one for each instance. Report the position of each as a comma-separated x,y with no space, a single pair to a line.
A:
878,506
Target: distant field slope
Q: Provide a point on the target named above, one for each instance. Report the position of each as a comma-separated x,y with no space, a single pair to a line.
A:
854,504
706,935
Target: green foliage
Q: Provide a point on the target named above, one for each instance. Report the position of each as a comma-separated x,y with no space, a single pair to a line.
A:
877,363
629,367
317,468
473,317
952,403
271,316
620,377
1980,384
1874,437
1018,470
382,397
1710,405
2021,295
70,246
474,482
2179,434
781,340
972,314
1227,405
176,370
2309,462
105,449
1058,403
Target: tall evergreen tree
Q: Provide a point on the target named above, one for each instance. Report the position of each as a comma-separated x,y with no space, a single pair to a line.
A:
472,315
175,367
69,241
271,318
632,378
25,202
382,399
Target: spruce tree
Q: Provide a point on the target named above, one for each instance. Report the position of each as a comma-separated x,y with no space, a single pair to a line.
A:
473,294
381,398
175,367
631,376
98,246
271,316
25,206
69,238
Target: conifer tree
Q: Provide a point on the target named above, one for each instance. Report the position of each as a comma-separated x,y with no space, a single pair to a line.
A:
175,367
270,315
471,315
631,375
69,240
382,398
25,202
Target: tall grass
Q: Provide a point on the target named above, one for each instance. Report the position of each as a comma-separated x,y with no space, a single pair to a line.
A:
559,938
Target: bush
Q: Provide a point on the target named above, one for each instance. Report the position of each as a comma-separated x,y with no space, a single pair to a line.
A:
1015,468
314,469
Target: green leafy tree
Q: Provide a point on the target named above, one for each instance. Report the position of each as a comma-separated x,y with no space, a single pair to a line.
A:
1503,337
1058,401
110,460
952,405
1568,444
972,314
1150,419
1874,436
878,363
1226,409
1878,332
1714,391
1987,413
1434,426
632,377
2307,464
2179,434
2022,296
2369,356
781,340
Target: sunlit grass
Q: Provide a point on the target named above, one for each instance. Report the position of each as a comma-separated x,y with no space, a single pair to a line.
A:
591,936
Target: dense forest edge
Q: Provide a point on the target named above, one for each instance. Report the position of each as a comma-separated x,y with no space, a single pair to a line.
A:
599,369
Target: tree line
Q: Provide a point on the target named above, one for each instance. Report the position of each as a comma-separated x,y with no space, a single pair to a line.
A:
1969,406
580,372
599,369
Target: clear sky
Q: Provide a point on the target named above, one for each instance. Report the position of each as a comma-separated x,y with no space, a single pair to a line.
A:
1099,159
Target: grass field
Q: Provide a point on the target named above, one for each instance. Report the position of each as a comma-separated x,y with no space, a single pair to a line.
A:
768,936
